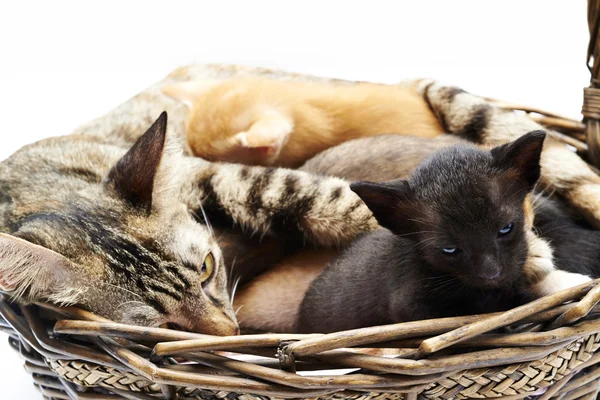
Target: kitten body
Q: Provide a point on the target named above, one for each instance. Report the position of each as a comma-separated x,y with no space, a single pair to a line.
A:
456,244
266,122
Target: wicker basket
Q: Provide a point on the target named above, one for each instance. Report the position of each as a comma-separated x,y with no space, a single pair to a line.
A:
544,349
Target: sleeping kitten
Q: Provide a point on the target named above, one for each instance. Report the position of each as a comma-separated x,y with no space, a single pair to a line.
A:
456,242
260,121
120,230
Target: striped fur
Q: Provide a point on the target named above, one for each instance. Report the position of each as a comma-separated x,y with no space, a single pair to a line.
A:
141,265
133,267
477,120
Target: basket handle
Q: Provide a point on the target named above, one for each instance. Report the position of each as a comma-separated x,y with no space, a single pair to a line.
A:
591,94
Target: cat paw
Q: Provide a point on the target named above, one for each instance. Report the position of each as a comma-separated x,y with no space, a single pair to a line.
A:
540,260
557,281
540,271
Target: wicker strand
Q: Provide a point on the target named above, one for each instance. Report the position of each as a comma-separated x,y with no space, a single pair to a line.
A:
591,95
512,380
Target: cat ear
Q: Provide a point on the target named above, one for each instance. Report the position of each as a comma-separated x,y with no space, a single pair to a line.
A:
135,173
186,92
33,271
522,156
391,203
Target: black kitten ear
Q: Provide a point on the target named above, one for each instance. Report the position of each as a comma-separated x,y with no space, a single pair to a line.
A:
390,202
523,156
135,173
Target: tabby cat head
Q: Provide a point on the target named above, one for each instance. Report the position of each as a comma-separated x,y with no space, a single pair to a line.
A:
466,209
126,248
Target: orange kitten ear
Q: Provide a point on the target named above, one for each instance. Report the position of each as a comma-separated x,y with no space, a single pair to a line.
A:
33,271
186,92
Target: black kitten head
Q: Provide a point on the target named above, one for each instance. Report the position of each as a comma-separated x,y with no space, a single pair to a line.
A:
464,208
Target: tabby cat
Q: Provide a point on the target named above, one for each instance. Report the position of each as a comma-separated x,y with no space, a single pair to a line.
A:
121,232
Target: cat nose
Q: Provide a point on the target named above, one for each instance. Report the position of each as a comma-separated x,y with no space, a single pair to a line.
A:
490,268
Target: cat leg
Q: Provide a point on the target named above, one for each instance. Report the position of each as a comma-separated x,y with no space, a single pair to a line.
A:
479,121
321,210
540,273
558,280
269,133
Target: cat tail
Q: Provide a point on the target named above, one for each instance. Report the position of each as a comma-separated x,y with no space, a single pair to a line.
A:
480,121
278,201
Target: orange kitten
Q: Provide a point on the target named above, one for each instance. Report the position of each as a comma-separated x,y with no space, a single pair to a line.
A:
259,121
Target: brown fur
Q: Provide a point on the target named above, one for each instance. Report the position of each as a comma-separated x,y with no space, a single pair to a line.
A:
266,122
388,157
272,301
97,145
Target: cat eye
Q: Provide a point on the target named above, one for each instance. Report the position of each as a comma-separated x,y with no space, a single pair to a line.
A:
207,267
449,250
506,230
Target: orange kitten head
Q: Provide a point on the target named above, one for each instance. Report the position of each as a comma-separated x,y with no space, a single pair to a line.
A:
239,120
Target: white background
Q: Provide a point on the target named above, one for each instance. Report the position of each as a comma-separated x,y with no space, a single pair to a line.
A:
63,63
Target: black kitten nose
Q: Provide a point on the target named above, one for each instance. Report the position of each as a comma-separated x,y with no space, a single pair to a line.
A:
490,269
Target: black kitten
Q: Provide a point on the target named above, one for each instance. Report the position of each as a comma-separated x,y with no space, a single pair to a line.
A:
456,242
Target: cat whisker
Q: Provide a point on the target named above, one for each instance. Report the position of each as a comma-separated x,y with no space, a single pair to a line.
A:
238,310
426,241
230,273
124,290
207,222
235,286
555,228
415,233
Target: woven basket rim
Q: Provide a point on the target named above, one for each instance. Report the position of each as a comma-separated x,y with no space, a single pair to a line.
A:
448,357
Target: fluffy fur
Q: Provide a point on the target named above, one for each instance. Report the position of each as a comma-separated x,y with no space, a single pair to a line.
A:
42,179
261,121
396,156
114,229
448,250
476,120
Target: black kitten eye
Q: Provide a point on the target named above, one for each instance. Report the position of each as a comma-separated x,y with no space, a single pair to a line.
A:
449,250
506,230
